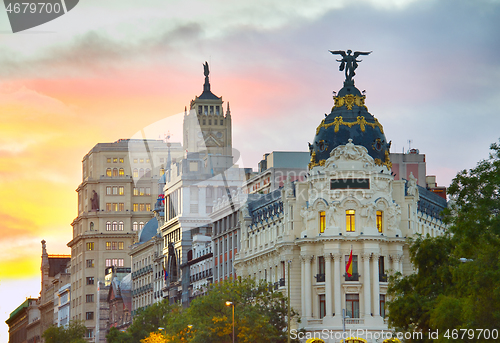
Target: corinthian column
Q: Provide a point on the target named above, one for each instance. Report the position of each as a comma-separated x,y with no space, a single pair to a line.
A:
366,285
328,285
376,286
337,280
308,284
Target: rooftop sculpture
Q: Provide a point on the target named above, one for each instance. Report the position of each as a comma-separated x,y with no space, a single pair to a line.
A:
349,62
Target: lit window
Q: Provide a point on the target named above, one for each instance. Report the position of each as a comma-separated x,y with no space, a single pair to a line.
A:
108,226
120,262
115,160
115,207
136,191
108,160
90,263
148,207
115,226
120,245
121,159
108,172
135,160
121,172
120,226
115,172
148,191
322,221
108,190
142,207
114,262
121,207
379,221
135,226
136,207
350,220
90,246
108,262
108,245
141,225
141,191
108,206
141,160
136,172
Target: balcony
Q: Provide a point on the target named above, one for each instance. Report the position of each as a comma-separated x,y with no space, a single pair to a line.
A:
276,285
320,277
382,277
354,277
354,321
282,282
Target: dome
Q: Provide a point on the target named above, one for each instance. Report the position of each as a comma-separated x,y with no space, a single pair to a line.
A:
148,231
349,119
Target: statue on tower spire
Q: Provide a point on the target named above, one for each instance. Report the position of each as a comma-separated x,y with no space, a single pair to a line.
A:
206,72
349,62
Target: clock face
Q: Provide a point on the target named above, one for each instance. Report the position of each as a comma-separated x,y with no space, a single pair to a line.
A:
219,134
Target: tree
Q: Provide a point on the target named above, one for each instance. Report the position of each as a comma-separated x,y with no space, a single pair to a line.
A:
457,280
73,333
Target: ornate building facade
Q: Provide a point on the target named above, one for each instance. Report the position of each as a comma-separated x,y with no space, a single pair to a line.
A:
349,204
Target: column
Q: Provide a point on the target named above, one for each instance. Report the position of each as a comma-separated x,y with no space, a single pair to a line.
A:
308,284
366,285
395,262
328,285
202,199
337,274
302,287
376,285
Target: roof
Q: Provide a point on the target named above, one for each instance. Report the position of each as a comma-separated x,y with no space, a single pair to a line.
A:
57,265
148,231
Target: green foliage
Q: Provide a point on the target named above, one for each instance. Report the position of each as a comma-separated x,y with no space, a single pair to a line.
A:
259,315
445,292
73,333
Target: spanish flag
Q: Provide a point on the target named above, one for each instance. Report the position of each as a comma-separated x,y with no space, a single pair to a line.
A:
348,266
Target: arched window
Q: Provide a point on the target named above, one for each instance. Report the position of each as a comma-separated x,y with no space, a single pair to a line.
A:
122,172
120,226
115,172
136,172
108,226
108,172
91,226
135,226
350,220
379,221
115,226
141,172
141,225
322,223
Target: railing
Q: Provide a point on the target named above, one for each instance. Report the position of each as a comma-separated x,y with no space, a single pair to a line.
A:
354,277
382,277
355,321
282,282
320,277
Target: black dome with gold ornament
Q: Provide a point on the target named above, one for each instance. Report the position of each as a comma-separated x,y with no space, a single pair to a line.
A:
349,119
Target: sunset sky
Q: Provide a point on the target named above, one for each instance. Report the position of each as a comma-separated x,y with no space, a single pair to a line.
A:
108,69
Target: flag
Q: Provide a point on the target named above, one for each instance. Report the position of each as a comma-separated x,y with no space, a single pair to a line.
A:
165,274
348,266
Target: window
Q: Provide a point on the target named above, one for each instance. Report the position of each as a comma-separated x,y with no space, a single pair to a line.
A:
381,269
115,226
136,207
108,172
136,160
321,265
90,263
115,160
136,191
141,225
108,262
352,305
121,190
90,280
108,245
350,220
121,159
91,226
120,262
382,305
89,333
115,190
121,207
148,191
89,315
120,245
322,306
135,226
141,191
322,221
142,207
115,207
115,171
114,245
148,207
90,246
355,275
120,226
379,221
108,206
108,226
221,122
89,298
108,160
136,172
108,190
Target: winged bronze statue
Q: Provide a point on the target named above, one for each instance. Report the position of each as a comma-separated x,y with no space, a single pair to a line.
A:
349,62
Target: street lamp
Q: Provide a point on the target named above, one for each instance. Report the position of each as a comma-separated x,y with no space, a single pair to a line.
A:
230,303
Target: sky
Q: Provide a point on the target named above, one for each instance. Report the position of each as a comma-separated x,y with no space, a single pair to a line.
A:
107,69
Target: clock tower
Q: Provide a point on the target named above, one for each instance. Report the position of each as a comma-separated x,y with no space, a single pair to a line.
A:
207,128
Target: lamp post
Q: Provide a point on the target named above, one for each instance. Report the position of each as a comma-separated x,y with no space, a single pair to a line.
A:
230,303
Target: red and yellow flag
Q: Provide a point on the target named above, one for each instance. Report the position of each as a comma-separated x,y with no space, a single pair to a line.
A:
348,266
